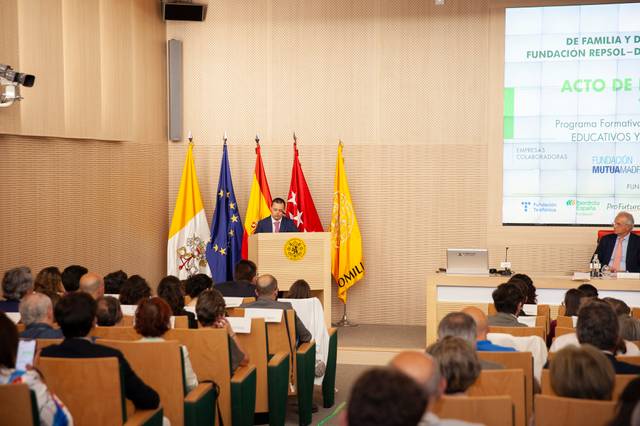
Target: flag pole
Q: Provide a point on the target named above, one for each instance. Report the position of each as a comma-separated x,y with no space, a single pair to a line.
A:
344,322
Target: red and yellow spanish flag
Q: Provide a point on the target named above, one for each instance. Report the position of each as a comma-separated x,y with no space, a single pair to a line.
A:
259,205
347,265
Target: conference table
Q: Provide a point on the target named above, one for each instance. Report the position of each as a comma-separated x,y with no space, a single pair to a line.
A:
449,293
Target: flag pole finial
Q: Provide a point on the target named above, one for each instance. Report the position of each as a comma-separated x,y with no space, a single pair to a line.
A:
190,137
257,139
224,138
340,142
295,138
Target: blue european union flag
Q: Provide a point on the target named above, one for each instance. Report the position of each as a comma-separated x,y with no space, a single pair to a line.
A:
224,249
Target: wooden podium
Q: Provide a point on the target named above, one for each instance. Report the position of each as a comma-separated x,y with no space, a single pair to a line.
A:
290,256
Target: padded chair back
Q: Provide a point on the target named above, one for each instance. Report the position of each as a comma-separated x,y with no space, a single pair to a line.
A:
159,365
564,330
21,327
516,360
127,320
255,346
116,333
558,411
488,410
74,380
565,322
281,337
635,313
209,353
622,380
18,405
561,310
501,383
43,343
629,359
520,331
603,232
181,321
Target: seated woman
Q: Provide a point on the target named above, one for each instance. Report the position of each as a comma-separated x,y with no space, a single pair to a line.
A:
211,313
49,282
108,312
299,290
582,372
458,363
170,289
51,409
134,289
152,322
572,299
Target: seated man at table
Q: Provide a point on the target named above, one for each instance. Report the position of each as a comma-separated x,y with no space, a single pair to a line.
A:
482,328
244,284
507,299
620,250
267,293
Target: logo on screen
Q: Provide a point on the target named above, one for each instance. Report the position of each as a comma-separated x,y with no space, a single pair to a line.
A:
571,202
526,205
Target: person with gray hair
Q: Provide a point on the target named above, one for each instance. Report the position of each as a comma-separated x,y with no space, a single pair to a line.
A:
36,312
425,371
458,363
15,284
621,249
93,284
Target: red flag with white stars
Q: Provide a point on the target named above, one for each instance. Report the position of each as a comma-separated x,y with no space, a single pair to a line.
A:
300,207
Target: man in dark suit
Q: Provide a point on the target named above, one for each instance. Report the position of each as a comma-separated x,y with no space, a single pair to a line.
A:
76,313
244,284
267,293
620,250
277,221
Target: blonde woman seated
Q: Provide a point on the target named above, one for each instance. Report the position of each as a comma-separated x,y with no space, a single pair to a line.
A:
582,372
458,363
210,310
153,318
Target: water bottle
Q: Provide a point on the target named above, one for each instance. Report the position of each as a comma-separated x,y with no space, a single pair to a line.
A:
596,266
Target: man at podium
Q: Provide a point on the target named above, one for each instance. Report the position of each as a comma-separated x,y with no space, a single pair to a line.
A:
277,222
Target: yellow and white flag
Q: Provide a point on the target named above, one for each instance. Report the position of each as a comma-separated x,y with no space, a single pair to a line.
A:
347,266
189,232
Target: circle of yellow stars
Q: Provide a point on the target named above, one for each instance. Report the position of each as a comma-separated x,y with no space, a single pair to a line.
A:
234,218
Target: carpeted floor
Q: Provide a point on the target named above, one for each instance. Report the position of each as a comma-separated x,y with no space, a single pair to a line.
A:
387,336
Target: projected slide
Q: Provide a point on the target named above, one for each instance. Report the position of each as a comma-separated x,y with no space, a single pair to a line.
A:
571,114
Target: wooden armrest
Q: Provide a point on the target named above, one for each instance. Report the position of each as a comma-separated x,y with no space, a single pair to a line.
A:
141,417
198,392
278,358
242,373
305,347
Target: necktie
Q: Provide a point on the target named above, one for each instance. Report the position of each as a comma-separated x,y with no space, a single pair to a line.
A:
617,256
276,228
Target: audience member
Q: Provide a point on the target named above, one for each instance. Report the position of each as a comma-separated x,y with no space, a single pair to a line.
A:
152,322
49,282
507,299
71,277
36,312
299,290
50,409
598,326
244,281
619,307
582,372
629,328
267,293
113,282
424,370
627,401
75,313
108,311
458,363
92,284
531,298
134,289
620,250
16,283
170,289
482,329
385,397
588,290
572,300
195,285
211,313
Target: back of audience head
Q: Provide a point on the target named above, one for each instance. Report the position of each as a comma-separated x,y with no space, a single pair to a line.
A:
424,370
153,317
598,325
92,284
619,307
458,324
582,372
36,308
385,397
198,283
16,283
134,289
573,298
507,298
629,328
299,290
210,307
529,289
108,311
113,281
588,290
245,270
480,319
71,277
76,314
49,281
170,289
458,363
266,286
627,401
8,342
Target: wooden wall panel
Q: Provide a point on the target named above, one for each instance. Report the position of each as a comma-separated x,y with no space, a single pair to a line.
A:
9,116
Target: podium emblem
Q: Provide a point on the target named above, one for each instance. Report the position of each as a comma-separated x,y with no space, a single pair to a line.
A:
295,249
